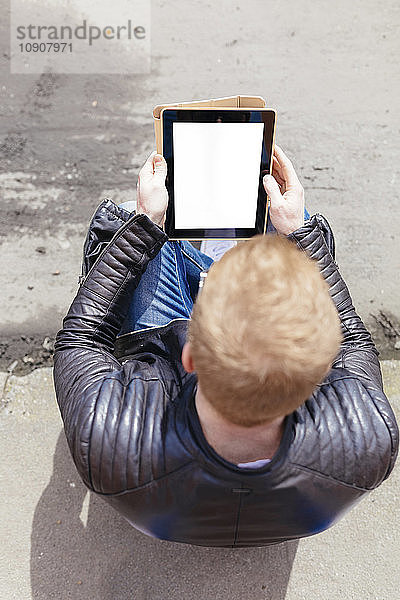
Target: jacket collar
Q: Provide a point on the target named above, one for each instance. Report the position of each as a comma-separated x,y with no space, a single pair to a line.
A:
189,430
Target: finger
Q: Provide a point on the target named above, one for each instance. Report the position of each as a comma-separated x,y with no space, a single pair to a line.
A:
147,168
277,176
160,167
276,161
151,157
287,170
276,165
272,188
280,181
277,170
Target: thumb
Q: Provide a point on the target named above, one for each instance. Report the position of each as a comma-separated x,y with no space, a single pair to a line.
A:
272,188
160,167
146,172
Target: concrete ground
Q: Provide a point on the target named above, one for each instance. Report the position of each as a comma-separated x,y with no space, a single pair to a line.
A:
59,541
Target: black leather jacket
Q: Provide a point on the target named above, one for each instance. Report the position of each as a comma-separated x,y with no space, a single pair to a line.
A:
134,434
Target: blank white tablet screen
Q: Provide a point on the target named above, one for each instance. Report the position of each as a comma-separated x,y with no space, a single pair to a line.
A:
216,174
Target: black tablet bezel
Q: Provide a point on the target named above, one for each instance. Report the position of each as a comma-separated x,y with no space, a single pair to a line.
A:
207,115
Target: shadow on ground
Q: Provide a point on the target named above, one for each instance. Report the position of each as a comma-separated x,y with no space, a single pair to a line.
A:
83,549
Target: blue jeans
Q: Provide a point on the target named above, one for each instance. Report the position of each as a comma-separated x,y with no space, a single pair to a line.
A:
169,286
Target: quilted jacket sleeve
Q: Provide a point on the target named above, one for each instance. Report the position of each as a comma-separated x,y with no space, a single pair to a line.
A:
106,221
358,354
89,380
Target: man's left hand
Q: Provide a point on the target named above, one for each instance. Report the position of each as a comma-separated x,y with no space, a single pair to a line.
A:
152,195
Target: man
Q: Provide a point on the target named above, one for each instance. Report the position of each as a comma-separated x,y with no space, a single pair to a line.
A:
260,419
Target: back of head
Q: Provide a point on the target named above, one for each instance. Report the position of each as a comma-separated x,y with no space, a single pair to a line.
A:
264,331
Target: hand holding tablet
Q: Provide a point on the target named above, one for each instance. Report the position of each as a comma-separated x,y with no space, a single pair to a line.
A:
152,196
286,194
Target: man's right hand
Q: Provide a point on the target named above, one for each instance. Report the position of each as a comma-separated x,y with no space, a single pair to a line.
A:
286,194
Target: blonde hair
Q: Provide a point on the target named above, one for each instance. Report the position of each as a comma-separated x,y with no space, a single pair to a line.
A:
264,331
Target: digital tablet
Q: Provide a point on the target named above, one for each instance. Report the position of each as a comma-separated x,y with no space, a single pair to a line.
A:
216,160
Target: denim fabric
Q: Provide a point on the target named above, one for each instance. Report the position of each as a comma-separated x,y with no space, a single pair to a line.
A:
169,286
